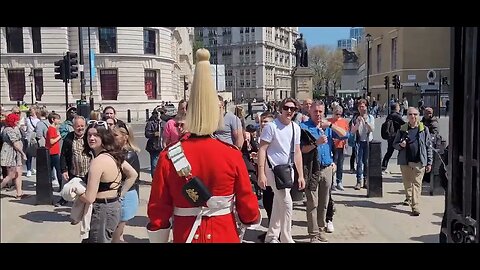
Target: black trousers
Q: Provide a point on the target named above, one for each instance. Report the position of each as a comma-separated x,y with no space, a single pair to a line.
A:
268,201
353,158
331,203
388,154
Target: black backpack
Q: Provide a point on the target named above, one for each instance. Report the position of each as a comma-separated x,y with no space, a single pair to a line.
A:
387,130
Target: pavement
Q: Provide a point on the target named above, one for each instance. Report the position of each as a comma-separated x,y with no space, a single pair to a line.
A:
358,219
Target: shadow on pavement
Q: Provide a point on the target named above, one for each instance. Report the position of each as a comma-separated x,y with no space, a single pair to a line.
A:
375,205
342,194
429,238
43,216
301,237
438,214
132,239
299,223
144,183
138,221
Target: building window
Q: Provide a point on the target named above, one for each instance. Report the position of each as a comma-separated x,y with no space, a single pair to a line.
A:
229,72
247,72
253,30
149,41
109,84
379,57
254,71
151,84
254,83
107,37
37,40
38,78
16,84
242,83
241,72
248,83
14,36
394,54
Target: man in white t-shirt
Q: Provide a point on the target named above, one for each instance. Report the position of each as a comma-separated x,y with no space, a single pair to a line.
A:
275,146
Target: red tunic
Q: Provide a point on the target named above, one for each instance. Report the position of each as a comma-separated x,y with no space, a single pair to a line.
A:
221,168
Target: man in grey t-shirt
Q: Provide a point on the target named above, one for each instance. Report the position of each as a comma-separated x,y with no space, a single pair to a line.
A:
232,131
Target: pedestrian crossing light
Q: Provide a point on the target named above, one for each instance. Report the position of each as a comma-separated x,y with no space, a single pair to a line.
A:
60,70
387,82
72,65
395,81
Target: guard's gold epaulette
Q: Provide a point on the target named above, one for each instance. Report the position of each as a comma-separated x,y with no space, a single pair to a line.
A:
228,144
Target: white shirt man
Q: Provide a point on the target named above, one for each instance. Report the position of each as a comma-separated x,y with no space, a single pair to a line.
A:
275,145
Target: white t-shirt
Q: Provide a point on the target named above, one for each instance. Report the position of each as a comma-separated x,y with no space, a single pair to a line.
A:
363,129
280,137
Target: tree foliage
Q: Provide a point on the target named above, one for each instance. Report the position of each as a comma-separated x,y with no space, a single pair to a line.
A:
327,64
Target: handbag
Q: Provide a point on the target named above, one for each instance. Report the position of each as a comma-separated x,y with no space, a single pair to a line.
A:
283,172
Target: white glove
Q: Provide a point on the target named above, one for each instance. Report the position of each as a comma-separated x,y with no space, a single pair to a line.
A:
159,236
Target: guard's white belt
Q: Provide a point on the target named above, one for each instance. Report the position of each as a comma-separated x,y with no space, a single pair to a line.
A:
217,206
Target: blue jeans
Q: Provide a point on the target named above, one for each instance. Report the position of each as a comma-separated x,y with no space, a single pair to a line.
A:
55,163
338,158
153,161
362,159
29,162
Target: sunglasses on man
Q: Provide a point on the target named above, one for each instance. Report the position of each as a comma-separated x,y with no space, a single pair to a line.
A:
288,108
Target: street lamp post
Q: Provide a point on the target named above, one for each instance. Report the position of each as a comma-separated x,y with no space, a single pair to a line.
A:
368,38
32,92
216,58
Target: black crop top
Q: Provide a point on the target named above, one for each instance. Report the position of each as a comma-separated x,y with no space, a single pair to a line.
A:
106,186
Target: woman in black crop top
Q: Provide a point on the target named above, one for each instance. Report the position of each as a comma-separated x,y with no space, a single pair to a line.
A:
104,185
124,138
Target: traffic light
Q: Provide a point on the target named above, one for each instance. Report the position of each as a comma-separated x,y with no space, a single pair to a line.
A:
444,81
72,62
396,82
387,82
185,85
60,70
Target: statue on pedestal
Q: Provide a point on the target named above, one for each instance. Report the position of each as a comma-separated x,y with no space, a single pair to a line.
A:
301,51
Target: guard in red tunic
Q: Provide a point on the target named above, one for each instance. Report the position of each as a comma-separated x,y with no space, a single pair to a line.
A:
201,185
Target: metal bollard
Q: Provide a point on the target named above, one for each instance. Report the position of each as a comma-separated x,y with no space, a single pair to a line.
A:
147,114
374,170
43,188
129,116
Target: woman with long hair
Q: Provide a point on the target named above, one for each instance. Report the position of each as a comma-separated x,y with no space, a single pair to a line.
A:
199,179
104,181
124,138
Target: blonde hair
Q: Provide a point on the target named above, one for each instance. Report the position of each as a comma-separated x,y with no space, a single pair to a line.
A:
203,117
239,112
130,142
95,115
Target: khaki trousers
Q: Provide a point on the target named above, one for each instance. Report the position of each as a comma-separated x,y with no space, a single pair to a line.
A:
412,175
317,201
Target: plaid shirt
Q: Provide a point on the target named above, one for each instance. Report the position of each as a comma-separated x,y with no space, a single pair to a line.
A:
80,161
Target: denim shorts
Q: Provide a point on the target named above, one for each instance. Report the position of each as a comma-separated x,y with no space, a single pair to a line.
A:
129,205
105,219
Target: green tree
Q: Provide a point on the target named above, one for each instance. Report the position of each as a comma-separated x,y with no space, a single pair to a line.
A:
327,64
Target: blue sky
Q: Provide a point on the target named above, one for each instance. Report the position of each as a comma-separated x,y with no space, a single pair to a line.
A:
324,35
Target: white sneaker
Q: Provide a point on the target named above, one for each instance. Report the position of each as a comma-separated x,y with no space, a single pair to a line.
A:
34,171
55,184
29,173
330,228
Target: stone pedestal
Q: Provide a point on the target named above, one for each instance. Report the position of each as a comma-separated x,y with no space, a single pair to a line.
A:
302,83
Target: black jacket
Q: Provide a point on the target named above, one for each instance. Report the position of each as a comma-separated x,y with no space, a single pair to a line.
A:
397,120
66,155
132,158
